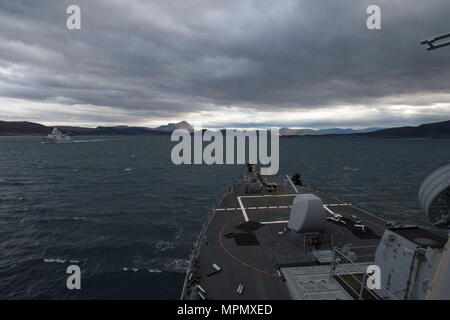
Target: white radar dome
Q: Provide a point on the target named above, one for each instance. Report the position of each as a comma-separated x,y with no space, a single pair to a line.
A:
434,197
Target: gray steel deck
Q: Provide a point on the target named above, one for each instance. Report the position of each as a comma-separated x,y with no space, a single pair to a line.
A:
256,266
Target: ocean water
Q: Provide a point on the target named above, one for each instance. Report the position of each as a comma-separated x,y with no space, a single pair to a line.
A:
118,207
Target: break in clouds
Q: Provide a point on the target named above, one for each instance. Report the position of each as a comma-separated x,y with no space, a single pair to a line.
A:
224,63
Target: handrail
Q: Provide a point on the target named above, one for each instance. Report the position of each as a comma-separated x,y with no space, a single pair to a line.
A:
333,269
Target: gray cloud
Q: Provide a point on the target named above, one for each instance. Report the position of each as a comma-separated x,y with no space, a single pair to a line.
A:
166,59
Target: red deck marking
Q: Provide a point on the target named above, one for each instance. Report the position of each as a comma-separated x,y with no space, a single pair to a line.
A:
255,268
237,259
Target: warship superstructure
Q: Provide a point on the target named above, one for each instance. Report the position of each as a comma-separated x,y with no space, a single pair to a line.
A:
271,237
57,136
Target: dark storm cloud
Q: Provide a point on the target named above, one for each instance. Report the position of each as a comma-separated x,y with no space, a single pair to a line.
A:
164,58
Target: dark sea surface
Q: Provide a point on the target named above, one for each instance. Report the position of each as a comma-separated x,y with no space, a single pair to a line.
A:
119,208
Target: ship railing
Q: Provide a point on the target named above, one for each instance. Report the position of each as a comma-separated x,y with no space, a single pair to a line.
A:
341,259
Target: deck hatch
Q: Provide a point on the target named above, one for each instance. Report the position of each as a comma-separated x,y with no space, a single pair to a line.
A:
249,226
246,239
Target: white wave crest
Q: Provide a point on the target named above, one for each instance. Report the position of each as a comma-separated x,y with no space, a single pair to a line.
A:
162,246
56,260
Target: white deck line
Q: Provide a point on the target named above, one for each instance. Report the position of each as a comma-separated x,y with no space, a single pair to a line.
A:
292,185
243,209
329,210
270,195
274,222
325,206
253,208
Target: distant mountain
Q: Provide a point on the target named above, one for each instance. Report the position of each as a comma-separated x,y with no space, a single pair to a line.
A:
30,129
132,131
112,131
301,132
429,130
172,126
22,128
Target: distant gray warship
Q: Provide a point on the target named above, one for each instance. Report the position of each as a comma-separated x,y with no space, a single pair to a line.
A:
57,137
271,237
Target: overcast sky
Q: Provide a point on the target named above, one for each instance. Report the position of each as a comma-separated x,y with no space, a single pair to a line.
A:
305,63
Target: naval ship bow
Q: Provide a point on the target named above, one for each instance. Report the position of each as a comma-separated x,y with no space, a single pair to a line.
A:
271,237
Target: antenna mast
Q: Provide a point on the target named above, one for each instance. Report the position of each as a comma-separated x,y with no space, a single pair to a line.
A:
431,42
